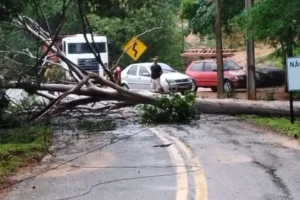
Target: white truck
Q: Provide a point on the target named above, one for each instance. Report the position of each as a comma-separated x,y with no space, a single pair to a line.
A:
76,49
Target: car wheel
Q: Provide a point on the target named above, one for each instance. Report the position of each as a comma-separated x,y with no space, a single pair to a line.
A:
194,86
214,89
227,86
125,86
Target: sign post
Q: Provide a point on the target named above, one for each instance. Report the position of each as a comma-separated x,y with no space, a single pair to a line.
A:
292,108
293,73
135,48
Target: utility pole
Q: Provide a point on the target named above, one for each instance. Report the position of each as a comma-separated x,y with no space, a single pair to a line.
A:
219,51
251,78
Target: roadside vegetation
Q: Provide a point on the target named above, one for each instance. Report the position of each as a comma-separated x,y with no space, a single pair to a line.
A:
173,108
272,60
276,58
280,124
21,145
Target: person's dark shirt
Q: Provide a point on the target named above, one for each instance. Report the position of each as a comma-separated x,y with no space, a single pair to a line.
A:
156,71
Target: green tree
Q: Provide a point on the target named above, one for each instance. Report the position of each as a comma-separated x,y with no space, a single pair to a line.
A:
10,8
201,15
119,20
136,18
275,21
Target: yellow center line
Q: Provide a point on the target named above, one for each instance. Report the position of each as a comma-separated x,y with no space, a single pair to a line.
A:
201,189
181,172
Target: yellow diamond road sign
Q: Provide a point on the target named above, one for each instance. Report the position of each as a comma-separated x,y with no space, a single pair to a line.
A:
135,48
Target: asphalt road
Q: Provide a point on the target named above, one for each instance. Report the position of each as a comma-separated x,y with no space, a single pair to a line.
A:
241,161
218,158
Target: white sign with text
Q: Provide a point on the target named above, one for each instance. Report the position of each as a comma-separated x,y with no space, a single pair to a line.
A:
293,73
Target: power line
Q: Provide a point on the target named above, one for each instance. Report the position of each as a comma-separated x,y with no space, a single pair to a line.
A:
130,167
126,179
68,161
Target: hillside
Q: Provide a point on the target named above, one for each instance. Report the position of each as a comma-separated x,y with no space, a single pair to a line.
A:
261,50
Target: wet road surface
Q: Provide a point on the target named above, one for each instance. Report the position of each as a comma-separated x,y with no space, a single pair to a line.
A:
119,165
241,161
217,158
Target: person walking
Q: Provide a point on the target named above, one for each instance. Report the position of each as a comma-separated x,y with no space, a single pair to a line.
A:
156,72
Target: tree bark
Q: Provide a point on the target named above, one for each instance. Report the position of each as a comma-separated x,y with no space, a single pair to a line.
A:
235,107
211,106
214,106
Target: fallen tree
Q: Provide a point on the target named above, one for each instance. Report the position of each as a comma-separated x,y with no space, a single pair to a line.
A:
93,91
212,106
238,106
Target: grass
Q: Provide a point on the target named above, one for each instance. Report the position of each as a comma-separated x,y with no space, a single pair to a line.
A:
279,124
275,59
20,145
270,60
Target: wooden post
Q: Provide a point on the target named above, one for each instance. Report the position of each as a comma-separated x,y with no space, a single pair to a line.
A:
219,51
251,78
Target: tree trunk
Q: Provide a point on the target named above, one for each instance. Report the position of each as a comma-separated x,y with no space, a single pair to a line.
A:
235,106
289,53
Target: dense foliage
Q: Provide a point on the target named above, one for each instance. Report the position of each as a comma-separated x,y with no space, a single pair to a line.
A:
275,21
201,15
10,8
135,19
119,20
174,108
272,21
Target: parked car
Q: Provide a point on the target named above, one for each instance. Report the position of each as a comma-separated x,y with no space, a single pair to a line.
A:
137,76
270,76
204,74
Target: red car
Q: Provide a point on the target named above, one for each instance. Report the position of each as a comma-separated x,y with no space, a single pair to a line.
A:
204,74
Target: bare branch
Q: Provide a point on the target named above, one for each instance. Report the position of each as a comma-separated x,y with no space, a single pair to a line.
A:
19,52
96,53
44,39
92,91
36,26
46,95
58,100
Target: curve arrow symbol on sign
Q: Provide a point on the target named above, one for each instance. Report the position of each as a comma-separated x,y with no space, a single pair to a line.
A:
133,48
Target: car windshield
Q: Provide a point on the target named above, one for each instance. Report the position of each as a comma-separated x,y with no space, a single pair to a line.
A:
166,68
230,65
83,48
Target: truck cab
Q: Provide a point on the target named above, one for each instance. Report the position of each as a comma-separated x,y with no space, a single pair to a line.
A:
77,50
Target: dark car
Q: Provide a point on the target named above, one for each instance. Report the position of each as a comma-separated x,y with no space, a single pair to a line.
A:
270,76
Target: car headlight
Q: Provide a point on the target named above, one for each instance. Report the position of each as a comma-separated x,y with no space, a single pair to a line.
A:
171,81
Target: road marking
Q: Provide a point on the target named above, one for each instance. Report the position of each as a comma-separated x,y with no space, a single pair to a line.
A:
201,190
177,159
